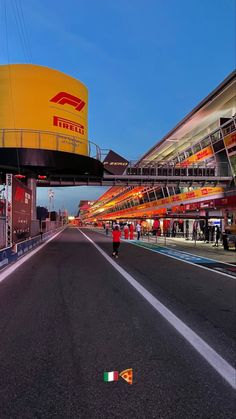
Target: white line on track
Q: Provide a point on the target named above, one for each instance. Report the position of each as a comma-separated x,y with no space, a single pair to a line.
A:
9,270
186,253
208,353
135,243
186,261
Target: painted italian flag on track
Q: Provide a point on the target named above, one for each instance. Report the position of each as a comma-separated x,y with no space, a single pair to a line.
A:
111,376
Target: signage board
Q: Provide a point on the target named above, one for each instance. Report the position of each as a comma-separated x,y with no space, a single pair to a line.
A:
18,203
201,155
114,163
230,140
36,98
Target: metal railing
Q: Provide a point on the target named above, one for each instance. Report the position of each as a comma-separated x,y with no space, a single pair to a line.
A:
187,239
48,140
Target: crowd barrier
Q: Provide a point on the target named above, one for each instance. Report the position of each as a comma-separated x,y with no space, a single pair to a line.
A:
12,254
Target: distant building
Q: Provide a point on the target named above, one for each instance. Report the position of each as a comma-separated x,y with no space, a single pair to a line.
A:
84,206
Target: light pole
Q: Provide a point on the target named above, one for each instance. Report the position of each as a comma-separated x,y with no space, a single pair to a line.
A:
51,195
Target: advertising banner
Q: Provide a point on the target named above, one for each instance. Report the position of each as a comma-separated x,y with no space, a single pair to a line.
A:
201,155
37,98
18,204
196,193
21,210
230,140
230,144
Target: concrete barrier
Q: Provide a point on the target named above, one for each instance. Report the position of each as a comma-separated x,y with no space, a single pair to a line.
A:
7,256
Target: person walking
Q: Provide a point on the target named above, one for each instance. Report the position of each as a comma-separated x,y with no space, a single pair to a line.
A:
126,232
115,224
116,234
217,236
206,233
107,228
138,229
131,231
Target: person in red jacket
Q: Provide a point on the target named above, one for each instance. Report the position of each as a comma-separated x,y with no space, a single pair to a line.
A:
126,231
131,231
116,241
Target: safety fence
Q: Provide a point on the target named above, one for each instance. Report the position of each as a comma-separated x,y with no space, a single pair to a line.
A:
167,239
48,140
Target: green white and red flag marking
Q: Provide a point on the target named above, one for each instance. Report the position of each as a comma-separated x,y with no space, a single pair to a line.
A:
127,375
111,376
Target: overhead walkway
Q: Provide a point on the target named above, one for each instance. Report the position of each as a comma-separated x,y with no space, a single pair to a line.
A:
145,172
150,176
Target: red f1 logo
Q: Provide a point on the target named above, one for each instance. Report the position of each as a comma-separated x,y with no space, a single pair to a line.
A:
63,97
19,194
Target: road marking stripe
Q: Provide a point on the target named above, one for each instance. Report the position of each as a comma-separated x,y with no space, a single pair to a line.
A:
166,247
133,242
208,353
187,253
185,261
9,270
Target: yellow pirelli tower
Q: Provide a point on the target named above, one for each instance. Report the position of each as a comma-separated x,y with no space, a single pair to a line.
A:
44,122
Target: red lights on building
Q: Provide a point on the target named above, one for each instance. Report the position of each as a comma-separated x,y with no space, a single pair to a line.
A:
19,176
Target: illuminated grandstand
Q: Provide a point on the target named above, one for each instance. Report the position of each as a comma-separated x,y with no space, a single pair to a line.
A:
205,137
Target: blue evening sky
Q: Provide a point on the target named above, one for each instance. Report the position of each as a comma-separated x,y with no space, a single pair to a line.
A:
146,63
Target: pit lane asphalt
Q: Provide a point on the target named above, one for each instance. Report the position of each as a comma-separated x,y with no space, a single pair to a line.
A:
66,316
